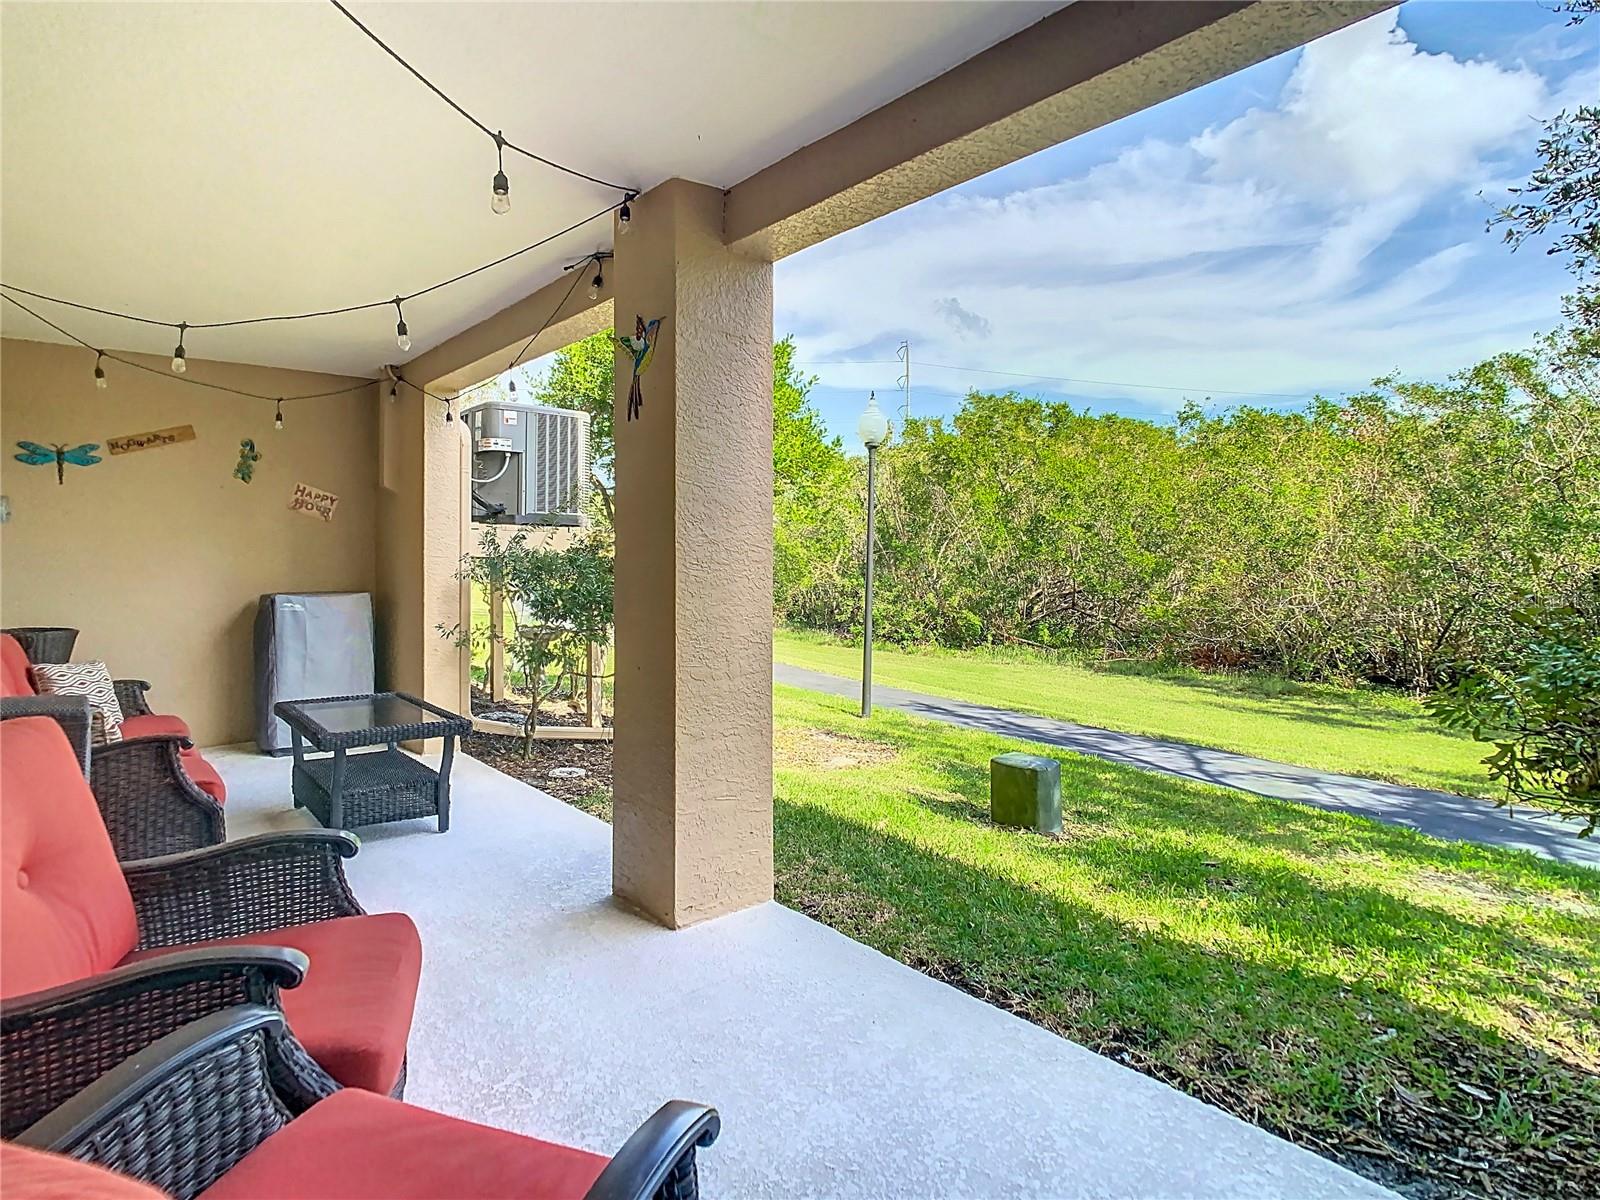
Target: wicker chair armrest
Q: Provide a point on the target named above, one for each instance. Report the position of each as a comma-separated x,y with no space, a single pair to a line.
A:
130,696
150,805
54,1043
659,1157
254,885
181,1112
72,713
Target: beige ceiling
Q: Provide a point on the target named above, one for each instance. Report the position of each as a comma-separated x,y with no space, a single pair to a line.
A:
203,162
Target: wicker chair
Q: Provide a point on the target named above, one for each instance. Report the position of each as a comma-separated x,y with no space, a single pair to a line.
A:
155,791
100,958
197,1113
144,787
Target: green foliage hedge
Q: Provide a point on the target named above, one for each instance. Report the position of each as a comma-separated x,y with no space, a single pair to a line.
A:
1386,536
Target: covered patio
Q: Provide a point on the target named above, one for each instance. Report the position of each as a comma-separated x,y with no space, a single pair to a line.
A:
838,1072
563,990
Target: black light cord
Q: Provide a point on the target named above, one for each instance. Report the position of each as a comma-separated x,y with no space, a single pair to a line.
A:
493,135
326,312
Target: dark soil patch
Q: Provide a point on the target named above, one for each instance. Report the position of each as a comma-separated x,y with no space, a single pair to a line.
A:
1420,1148
590,791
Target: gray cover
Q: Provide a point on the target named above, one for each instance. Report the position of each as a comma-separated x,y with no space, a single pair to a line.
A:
309,644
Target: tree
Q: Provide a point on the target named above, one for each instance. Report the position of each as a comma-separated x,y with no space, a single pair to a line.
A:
582,377
1562,196
1538,704
560,601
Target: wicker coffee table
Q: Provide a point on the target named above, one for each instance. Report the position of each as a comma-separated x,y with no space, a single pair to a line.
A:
379,786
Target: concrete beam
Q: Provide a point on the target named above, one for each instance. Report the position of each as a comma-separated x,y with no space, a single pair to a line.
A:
486,349
1078,69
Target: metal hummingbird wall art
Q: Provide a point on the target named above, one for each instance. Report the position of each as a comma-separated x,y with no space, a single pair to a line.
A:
642,346
35,455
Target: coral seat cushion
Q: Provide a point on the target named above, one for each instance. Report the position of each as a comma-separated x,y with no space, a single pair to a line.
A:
204,775
14,677
37,1175
352,1012
155,725
65,910
357,1146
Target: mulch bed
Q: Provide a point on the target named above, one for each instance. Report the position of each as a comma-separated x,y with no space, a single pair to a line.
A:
590,792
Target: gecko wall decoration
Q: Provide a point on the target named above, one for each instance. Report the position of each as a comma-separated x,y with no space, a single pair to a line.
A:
642,346
35,455
249,456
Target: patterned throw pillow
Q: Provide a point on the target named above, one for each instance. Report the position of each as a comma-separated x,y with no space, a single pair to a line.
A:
91,679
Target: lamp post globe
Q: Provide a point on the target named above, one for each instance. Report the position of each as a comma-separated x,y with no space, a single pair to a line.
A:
873,427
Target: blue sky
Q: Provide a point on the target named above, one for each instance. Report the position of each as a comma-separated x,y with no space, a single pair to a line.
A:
1304,225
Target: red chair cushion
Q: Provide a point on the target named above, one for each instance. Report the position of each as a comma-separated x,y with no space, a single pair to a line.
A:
37,1175
154,725
14,677
204,775
357,1146
65,911
352,1012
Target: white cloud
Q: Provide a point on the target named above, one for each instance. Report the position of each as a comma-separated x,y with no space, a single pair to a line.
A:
1290,248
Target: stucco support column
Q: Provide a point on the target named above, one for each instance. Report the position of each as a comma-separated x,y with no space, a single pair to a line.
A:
692,826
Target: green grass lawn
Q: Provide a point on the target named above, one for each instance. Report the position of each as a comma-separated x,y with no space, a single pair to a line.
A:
1375,734
1368,991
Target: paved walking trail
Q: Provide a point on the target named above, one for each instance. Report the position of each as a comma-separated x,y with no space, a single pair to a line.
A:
1455,818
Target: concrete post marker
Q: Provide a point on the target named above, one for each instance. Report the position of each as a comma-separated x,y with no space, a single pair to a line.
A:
1025,791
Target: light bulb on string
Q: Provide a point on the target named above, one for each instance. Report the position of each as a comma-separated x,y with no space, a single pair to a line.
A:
99,371
449,416
511,386
277,417
625,214
180,363
596,283
402,336
500,200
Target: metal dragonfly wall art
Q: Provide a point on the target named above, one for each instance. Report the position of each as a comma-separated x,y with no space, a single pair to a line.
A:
35,455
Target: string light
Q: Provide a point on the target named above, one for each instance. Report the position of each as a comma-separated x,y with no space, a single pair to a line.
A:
99,372
306,316
624,213
597,283
200,383
511,386
499,140
402,337
449,416
394,391
500,203
277,416
180,364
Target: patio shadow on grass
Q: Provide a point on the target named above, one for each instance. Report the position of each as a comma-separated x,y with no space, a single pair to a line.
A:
1414,1008
1384,1085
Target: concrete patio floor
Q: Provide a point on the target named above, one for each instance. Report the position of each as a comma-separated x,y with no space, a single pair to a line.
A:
838,1072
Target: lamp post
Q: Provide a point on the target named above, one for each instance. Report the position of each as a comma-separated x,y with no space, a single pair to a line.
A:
874,430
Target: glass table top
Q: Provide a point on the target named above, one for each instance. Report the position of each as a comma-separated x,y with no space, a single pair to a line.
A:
368,712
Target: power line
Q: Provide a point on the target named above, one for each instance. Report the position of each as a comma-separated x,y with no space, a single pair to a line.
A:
1159,387
500,141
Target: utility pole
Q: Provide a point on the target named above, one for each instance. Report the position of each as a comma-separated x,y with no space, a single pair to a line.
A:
904,355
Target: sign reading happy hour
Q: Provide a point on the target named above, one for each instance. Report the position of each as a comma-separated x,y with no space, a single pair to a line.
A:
315,501
149,441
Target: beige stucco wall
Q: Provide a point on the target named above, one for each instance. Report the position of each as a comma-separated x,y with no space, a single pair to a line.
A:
158,556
